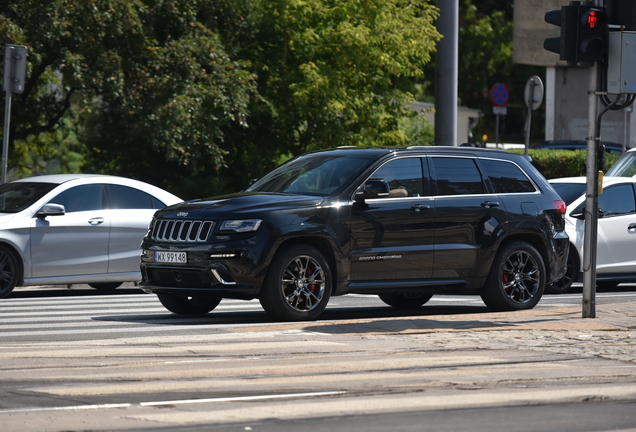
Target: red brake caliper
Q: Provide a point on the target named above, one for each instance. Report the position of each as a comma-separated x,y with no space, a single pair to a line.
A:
312,287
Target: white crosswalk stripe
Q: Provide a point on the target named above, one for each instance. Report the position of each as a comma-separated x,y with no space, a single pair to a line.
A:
112,314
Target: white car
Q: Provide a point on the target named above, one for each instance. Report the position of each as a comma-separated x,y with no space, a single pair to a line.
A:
616,244
625,166
75,228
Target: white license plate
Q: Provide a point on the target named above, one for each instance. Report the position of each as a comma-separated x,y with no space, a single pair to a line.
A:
171,257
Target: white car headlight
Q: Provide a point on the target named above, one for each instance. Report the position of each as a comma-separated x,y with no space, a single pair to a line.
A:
241,226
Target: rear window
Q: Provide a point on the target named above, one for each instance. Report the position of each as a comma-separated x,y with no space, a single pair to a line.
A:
506,177
569,192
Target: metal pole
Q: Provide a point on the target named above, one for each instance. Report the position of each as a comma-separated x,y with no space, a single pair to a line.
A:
591,202
447,74
497,131
529,116
5,136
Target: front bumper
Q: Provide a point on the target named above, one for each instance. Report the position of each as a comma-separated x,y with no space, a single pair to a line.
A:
230,273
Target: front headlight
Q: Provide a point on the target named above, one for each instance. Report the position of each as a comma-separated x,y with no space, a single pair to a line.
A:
241,226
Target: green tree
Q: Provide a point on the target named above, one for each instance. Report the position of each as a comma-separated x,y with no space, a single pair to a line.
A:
198,96
146,85
330,73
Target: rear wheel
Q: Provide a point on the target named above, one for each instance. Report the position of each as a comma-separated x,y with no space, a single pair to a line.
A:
298,284
9,271
406,300
105,286
189,305
516,280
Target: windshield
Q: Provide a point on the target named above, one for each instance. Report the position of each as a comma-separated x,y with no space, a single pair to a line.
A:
625,167
312,175
15,197
569,191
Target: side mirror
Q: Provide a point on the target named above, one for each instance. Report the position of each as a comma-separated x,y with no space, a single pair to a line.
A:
51,210
373,188
580,213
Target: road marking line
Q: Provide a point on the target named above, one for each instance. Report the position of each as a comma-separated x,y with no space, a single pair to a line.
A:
175,402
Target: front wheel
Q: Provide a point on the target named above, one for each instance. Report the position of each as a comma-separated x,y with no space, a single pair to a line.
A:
516,280
298,284
9,271
189,305
406,300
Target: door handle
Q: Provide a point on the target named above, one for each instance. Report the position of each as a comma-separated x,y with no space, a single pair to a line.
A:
420,207
489,204
96,221
631,227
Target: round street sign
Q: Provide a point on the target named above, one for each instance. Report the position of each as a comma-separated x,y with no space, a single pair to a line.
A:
499,94
533,93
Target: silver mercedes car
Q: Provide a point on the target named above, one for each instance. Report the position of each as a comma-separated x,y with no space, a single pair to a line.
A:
74,228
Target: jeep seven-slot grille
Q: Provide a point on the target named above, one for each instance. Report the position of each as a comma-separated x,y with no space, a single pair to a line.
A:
181,230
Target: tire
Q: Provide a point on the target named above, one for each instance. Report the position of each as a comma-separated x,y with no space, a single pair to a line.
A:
406,300
517,278
105,286
185,305
564,284
9,272
298,284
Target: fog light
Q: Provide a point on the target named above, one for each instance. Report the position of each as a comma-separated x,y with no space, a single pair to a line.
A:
224,255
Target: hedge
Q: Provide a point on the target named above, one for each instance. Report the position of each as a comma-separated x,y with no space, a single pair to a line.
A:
563,163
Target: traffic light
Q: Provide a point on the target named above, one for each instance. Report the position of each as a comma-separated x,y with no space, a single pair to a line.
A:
593,33
584,33
564,45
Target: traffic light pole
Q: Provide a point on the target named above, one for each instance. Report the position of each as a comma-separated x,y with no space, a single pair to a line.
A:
591,200
5,136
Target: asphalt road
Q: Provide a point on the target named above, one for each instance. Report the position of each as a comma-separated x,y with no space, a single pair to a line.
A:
72,360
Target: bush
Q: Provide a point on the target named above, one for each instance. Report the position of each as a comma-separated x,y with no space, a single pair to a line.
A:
563,163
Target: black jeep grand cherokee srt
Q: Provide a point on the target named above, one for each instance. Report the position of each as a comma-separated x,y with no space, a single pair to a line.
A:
399,223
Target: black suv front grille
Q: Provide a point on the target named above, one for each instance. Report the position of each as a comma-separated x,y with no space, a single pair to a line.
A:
181,230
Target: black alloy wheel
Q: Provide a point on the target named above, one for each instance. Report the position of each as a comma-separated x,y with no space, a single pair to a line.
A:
298,284
189,305
516,280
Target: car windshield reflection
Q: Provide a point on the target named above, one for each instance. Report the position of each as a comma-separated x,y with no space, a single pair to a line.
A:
312,175
15,197
625,167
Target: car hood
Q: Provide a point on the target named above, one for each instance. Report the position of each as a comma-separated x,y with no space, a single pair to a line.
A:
237,204
5,217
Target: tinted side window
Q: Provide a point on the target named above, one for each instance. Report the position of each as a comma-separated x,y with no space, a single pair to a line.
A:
124,197
404,177
81,198
506,177
457,176
617,200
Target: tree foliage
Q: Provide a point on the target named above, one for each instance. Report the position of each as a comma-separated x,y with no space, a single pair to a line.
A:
198,96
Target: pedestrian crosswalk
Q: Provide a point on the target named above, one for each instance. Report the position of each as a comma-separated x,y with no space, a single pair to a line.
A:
111,316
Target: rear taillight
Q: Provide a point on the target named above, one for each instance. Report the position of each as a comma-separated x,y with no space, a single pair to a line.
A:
560,206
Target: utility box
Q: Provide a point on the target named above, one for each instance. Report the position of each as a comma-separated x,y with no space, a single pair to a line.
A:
621,64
